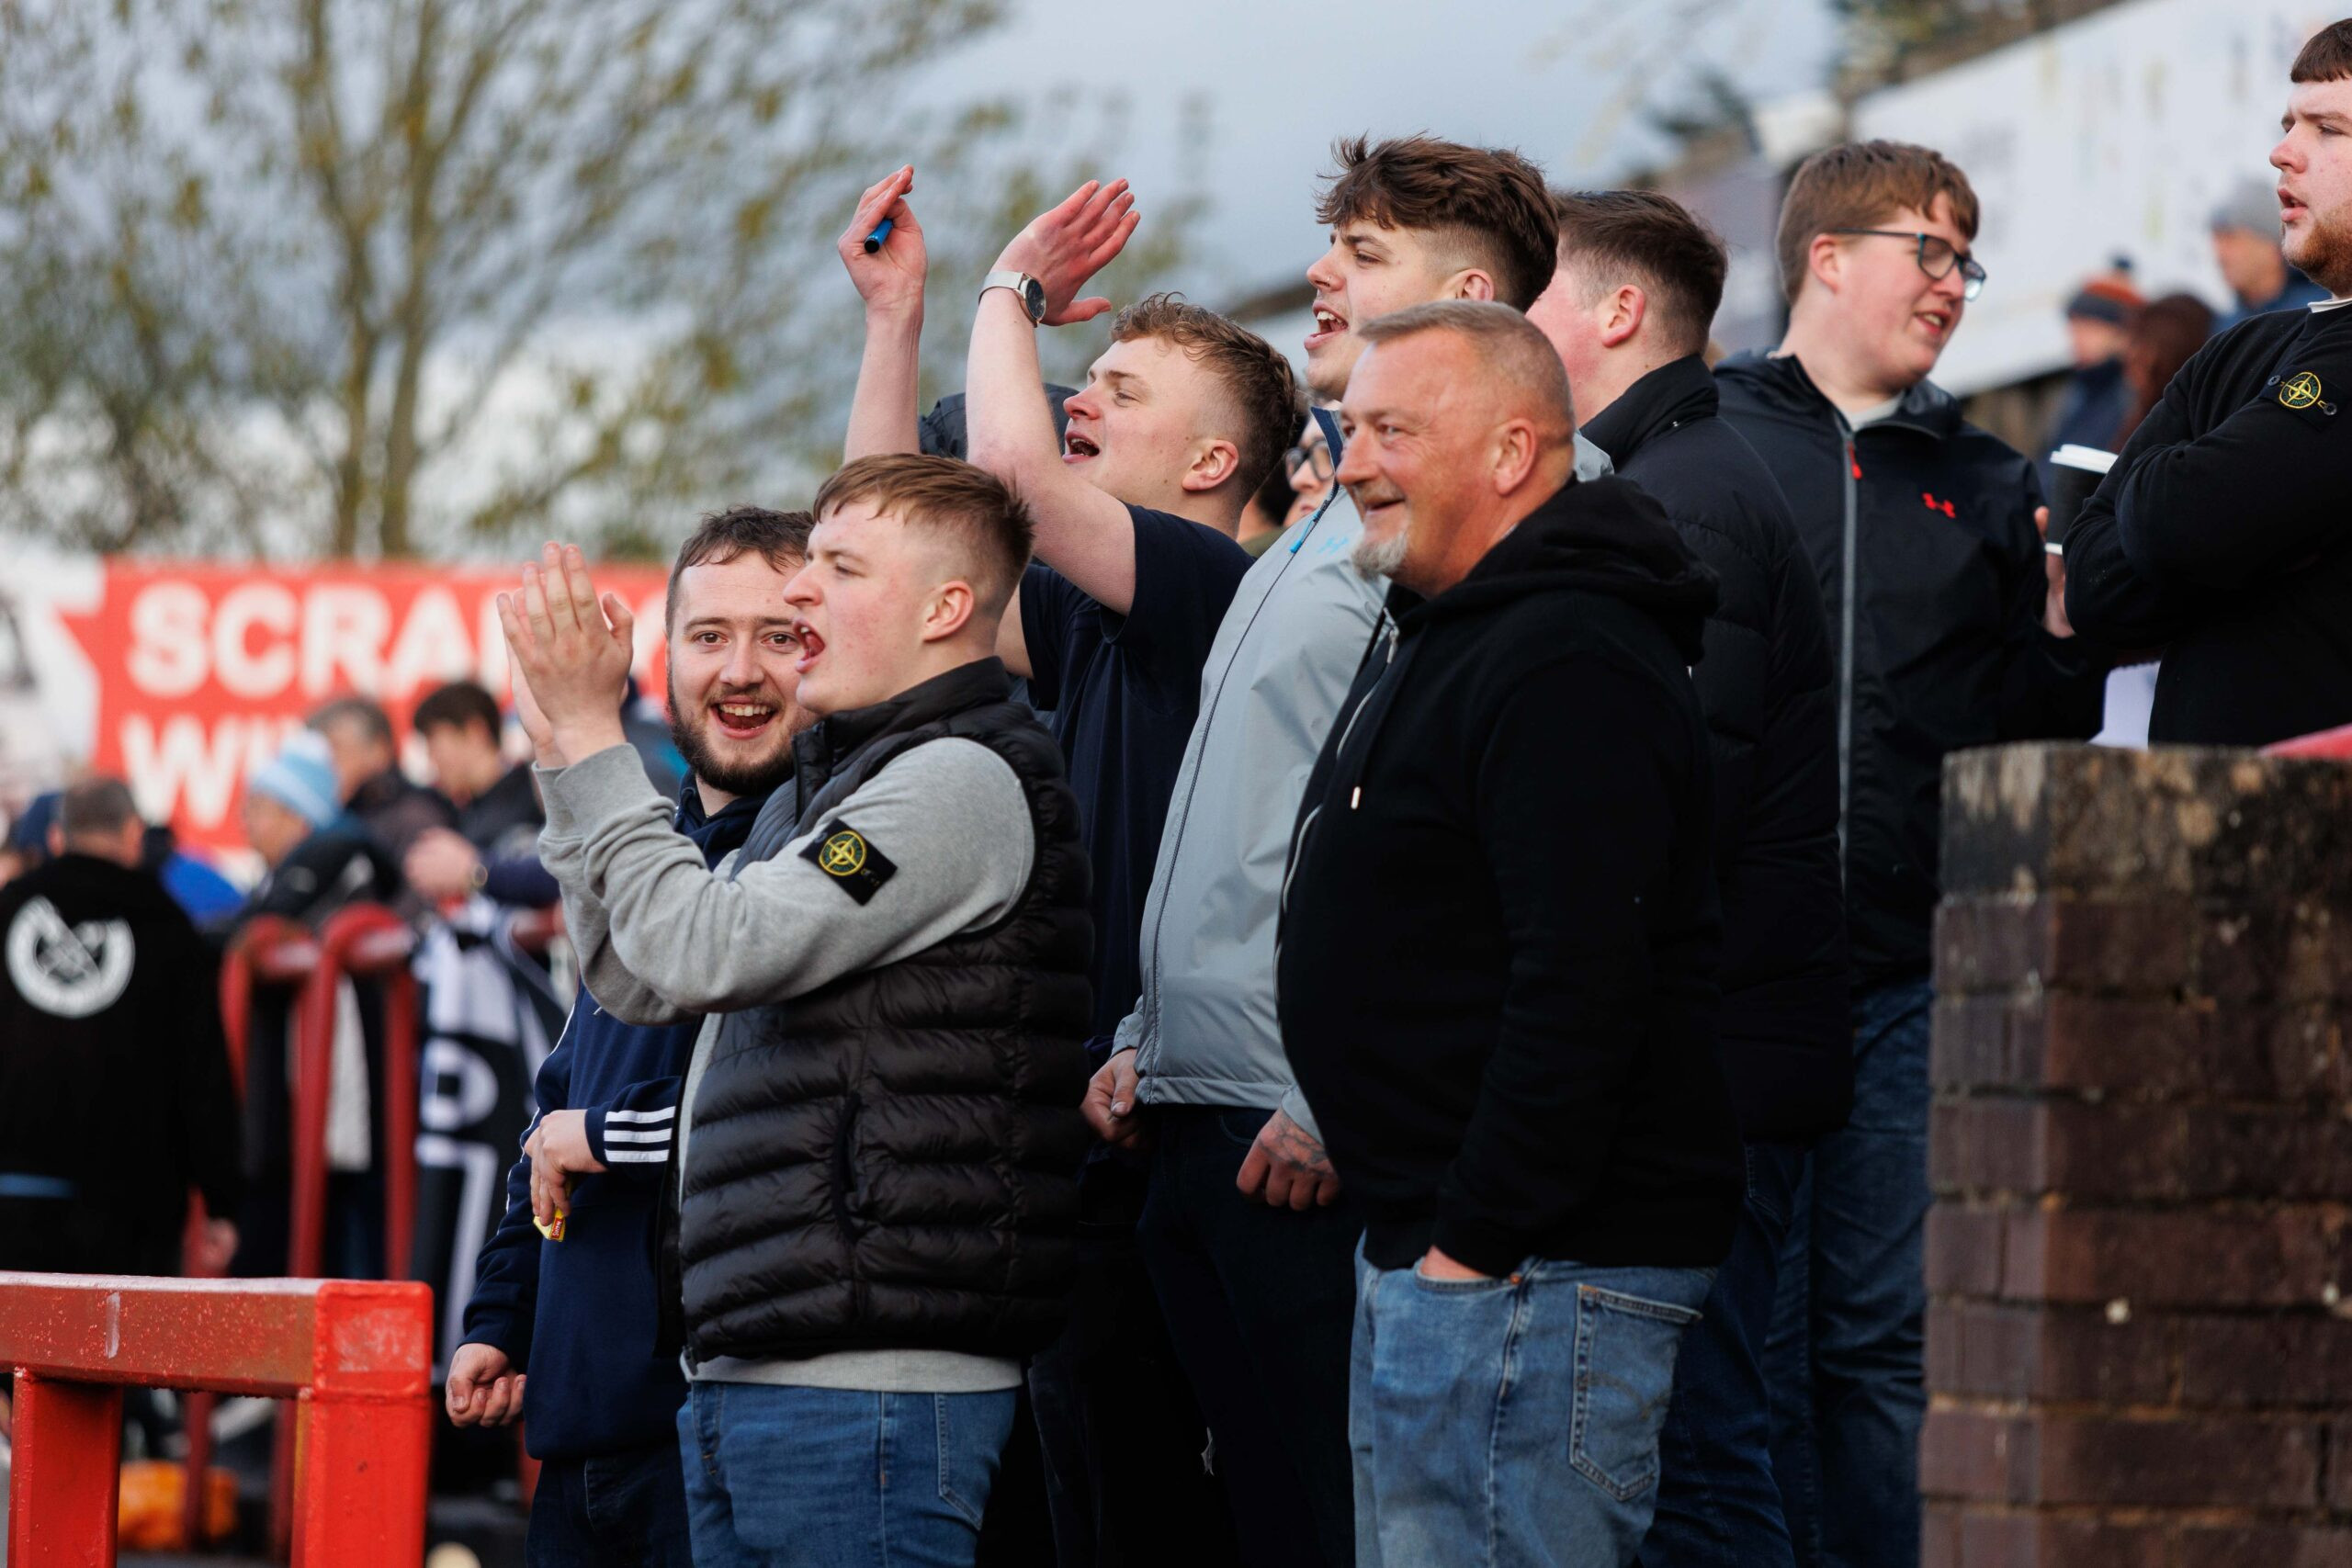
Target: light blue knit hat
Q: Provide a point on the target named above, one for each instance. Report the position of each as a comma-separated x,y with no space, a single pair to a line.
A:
300,778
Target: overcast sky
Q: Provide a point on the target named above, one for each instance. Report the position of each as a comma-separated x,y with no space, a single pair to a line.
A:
1565,83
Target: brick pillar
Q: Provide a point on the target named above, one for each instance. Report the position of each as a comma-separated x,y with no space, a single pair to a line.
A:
2139,1349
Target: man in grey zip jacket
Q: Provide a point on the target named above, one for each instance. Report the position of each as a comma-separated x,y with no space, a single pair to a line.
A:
1261,1301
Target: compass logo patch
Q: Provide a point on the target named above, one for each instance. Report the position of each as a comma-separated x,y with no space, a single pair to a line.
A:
2300,391
69,971
849,858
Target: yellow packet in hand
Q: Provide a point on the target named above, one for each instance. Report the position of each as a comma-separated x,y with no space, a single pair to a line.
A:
553,1229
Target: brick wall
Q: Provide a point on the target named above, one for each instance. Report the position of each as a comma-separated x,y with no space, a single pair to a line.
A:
2139,1341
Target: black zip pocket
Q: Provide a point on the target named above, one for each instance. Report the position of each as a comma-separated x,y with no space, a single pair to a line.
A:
845,1169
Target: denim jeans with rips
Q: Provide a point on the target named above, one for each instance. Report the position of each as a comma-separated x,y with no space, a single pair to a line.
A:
1512,1423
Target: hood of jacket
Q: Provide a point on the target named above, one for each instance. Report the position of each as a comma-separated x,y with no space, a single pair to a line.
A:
1601,536
1779,381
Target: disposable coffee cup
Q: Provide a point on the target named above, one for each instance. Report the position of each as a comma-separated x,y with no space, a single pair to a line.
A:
2075,474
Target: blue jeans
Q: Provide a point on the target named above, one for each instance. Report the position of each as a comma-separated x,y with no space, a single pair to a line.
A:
1512,1423
1258,1303
1845,1361
839,1478
616,1510
1718,1506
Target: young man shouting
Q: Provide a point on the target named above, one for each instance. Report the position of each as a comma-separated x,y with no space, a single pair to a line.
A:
878,1147
1497,963
1181,416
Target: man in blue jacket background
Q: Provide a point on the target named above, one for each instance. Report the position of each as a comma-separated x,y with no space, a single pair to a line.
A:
567,1333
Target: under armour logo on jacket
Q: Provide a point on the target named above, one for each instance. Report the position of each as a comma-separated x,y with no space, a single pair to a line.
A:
1934,505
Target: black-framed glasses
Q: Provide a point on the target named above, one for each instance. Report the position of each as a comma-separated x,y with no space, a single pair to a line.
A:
1316,456
1937,257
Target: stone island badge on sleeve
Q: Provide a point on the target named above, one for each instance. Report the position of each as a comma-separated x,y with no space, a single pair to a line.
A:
846,855
2301,390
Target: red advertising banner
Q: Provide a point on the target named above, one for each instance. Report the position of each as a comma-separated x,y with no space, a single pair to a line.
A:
195,672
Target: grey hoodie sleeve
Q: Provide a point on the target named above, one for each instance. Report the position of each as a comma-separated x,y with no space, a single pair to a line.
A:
938,843
564,850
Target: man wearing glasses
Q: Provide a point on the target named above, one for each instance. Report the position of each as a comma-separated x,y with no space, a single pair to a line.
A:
1949,627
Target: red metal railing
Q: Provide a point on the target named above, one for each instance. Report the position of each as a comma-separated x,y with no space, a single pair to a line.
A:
357,1355
360,942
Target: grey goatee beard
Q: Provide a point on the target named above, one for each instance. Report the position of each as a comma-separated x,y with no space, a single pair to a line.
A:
1379,558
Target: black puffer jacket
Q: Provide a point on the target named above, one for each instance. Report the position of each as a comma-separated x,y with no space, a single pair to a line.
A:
1768,689
891,1161
1941,644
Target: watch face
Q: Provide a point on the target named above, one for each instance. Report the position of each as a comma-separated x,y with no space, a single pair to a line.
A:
1033,295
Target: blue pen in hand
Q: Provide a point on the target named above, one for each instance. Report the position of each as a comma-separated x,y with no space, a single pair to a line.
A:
881,232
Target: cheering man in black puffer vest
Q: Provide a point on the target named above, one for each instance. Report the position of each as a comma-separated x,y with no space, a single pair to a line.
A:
880,1140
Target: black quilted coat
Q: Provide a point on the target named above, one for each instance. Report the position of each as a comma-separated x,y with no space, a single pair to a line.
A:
1767,686
891,1161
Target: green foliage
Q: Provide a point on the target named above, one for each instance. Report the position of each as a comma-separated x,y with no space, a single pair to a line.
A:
392,276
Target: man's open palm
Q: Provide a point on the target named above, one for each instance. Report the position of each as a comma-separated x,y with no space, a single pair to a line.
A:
1065,247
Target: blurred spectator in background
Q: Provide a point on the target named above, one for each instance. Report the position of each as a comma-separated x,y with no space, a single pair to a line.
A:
2163,336
28,834
115,1095
206,897
494,848
498,809
2097,396
2245,247
1308,467
318,855
1267,512
368,774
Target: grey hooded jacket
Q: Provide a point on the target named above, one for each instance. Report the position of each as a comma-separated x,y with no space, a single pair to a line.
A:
1205,1030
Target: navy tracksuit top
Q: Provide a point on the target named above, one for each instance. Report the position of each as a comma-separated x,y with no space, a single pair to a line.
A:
583,1316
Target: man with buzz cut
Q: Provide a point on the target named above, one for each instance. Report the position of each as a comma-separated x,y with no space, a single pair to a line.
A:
1249,1241
1135,507
1638,282
877,1145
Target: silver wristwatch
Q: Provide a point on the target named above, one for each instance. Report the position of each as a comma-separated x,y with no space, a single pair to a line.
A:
1031,292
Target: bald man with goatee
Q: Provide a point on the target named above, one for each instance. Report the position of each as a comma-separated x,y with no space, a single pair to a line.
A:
1496,970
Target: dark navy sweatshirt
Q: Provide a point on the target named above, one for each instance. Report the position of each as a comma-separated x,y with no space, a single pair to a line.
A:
583,1316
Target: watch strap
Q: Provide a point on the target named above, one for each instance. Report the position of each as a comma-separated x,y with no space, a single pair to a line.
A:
1024,288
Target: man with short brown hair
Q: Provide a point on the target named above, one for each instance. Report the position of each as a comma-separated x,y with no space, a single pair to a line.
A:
1945,617
1628,310
2216,536
568,1329
877,1153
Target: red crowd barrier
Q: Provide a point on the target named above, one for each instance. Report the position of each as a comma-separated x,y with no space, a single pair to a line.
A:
357,1355
360,942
